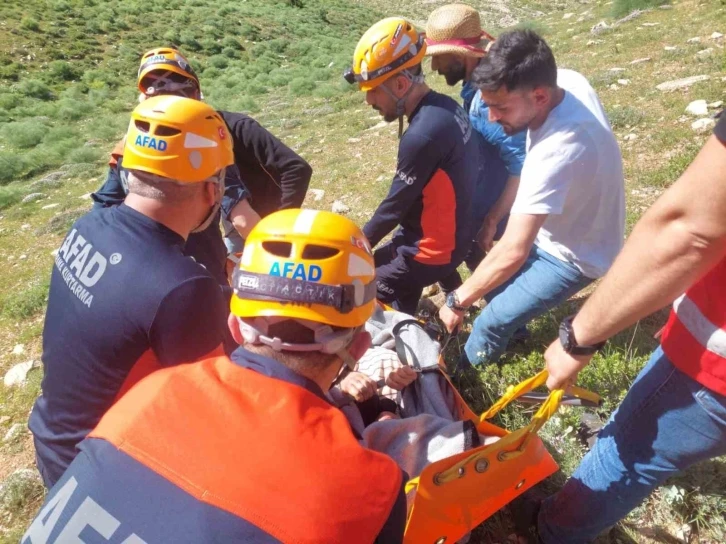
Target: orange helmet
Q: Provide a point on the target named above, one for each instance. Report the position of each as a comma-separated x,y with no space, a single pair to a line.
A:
315,267
178,138
165,70
387,48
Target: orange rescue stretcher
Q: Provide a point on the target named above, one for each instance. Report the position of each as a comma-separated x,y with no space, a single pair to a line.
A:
456,494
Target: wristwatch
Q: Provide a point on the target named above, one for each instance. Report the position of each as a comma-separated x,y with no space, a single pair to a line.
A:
569,342
452,301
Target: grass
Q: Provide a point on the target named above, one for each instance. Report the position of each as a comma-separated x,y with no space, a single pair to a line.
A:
66,87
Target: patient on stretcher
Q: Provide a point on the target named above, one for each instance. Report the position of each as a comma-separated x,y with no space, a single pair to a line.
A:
404,408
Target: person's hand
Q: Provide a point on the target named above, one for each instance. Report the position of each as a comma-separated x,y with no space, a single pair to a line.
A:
485,236
562,367
401,377
359,386
450,318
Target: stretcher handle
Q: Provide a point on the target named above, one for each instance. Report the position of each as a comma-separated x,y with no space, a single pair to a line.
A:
513,392
574,396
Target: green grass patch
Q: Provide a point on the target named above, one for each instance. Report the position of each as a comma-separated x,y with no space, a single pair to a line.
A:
28,302
624,7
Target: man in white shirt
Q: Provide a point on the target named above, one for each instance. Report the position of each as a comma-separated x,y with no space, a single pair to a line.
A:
567,221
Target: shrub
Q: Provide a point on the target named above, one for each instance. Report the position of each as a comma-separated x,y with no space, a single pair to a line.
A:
231,43
9,101
35,89
24,134
11,166
11,71
73,110
623,7
230,52
301,86
218,61
84,154
28,23
10,194
60,70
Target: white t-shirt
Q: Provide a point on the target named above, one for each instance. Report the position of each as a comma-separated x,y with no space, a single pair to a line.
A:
574,173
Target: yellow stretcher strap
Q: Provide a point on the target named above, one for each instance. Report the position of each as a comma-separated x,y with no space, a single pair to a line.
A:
545,412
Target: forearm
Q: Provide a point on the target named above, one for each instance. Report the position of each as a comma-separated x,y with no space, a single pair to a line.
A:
244,218
498,266
662,258
504,204
294,182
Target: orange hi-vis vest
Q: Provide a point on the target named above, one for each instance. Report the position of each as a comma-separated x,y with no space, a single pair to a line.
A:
694,338
270,452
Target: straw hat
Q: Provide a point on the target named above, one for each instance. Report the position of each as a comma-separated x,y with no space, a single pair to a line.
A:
456,28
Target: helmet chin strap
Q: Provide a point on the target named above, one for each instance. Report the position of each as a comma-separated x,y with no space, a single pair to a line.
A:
218,180
401,102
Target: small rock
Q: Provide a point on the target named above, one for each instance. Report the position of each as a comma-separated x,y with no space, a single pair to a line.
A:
21,487
716,104
353,140
19,349
339,207
332,63
716,36
567,15
600,27
623,82
594,42
616,70
670,48
32,197
318,194
4,419
694,40
49,206
25,226
23,257
613,87
651,24
703,125
640,61
54,253
18,374
698,108
630,137
681,83
379,125
665,7
705,52
87,196
14,431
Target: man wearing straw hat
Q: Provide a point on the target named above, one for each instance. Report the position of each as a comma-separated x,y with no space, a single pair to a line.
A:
456,44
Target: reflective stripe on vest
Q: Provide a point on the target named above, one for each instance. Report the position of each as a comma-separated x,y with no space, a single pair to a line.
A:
695,336
704,331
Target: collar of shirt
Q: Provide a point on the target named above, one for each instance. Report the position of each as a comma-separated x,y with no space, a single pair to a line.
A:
274,369
128,213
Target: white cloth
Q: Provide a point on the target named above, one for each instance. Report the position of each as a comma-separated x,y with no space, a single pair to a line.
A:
574,173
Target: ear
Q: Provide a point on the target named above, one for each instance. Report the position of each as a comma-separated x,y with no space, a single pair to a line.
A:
233,325
402,84
541,95
210,193
360,344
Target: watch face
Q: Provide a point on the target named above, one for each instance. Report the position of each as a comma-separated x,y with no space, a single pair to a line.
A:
565,338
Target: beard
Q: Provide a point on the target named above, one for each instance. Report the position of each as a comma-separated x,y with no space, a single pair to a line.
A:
387,117
454,74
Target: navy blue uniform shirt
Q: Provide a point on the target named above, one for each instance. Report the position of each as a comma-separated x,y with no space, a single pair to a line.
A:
432,191
123,297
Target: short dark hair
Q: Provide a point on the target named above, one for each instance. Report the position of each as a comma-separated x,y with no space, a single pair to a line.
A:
517,59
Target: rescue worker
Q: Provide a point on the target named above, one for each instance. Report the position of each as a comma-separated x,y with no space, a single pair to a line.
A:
124,300
275,177
248,448
675,413
437,171
456,44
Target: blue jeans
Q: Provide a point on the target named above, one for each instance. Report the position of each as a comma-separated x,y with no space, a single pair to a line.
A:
543,283
667,422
